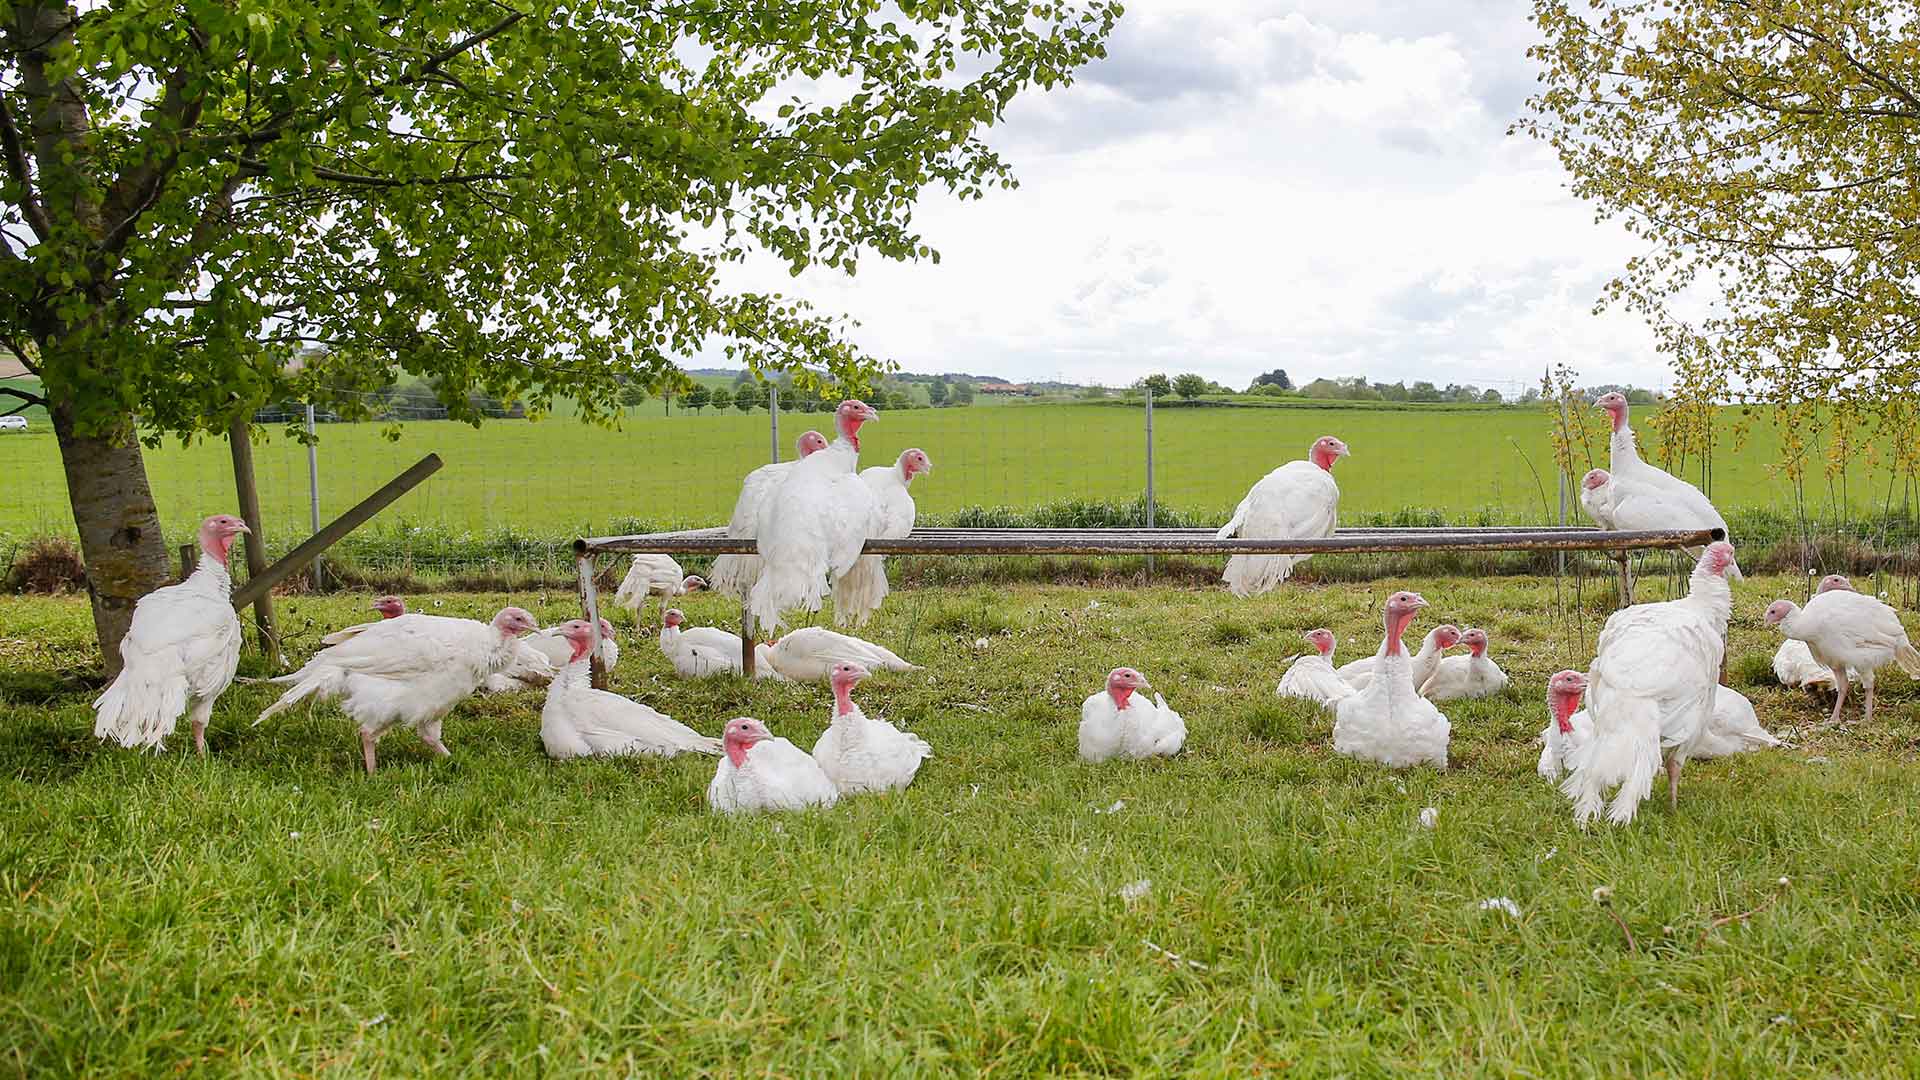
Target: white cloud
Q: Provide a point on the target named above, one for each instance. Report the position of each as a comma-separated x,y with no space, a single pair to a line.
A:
1322,186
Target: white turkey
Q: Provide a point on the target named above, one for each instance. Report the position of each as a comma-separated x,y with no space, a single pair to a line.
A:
813,525
1433,648
1389,722
1119,723
809,654
861,754
579,721
540,656
407,671
763,772
1596,497
734,575
697,652
179,652
1848,632
1298,500
654,575
1568,726
1312,676
1651,691
1793,662
1474,675
389,607
858,593
1646,497
1734,728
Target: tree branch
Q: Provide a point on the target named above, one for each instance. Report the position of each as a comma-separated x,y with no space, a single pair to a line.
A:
256,167
27,400
133,193
17,165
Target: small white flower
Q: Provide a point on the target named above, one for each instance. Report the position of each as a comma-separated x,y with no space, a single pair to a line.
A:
1784,882
1500,903
1819,761
1783,1018
438,603
374,825
515,906
296,789
1812,572
980,643
1603,895
1429,817
1551,852
293,836
376,1021
976,791
1134,890
1118,805
1093,605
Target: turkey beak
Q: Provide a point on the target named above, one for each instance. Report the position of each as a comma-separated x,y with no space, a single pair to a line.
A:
1733,571
242,528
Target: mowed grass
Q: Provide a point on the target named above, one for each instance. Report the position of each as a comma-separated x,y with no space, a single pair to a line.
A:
269,911
559,477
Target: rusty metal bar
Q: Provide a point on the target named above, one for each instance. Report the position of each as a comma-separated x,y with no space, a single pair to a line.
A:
299,557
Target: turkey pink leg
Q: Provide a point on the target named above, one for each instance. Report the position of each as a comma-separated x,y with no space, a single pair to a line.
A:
366,750
200,736
1673,784
430,734
1839,695
1867,717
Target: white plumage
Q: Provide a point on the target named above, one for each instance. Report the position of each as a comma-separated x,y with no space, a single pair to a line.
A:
1734,728
861,754
734,575
1120,723
179,652
540,656
579,721
1312,676
1295,501
1568,725
699,652
1645,497
1389,722
1793,662
389,607
407,671
761,772
812,527
1596,497
1651,688
654,575
1433,647
1474,675
1848,632
809,654
858,593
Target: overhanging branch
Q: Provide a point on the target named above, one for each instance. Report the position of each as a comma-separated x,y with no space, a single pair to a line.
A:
17,165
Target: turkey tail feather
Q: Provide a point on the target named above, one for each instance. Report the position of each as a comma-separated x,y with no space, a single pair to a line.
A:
734,575
859,592
1909,659
1621,755
1251,575
139,710
312,683
783,586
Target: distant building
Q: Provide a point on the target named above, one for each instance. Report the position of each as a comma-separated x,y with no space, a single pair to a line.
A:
1003,388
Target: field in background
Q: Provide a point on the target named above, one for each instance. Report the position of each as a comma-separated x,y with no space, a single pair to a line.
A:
497,912
558,477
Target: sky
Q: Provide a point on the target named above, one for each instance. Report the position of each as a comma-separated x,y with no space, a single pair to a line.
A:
1325,186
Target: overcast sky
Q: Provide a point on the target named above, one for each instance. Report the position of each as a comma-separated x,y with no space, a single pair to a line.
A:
1321,185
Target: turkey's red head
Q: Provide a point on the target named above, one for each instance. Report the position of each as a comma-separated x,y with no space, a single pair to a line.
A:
740,735
579,634
852,413
845,677
390,607
1616,406
1401,608
1718,559
1475,639
1321,639
1779,610
913,463
1446,635
693,583
1326,450
1122,682
217,533
513,621
1563,697
672,618
1835,583
810,442
1595,479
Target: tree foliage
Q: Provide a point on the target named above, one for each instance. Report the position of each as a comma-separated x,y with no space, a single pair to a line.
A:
1764,150
1189,385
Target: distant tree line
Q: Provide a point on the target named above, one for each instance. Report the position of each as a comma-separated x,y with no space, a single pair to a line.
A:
1276,383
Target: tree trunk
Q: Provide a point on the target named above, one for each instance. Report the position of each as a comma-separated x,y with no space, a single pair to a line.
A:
119,525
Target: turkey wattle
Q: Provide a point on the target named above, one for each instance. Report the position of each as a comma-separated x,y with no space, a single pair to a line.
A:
860,754
579,721
407,671
813,526
1474,675
1651,691
763,772
858,593
1298,500
1389,722
1312,676
734,575
1119,723
179,652
1848,632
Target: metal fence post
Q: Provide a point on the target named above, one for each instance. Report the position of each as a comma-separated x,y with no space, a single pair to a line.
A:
313,497
773,418
1150,513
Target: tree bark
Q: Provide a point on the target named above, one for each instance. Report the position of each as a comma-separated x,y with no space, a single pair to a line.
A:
119,525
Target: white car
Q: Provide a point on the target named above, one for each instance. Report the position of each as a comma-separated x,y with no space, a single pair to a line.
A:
13,423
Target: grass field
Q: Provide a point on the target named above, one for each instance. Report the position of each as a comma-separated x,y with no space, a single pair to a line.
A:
268,911
557,478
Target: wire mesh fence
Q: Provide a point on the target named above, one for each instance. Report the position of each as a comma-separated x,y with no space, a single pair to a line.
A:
515,491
